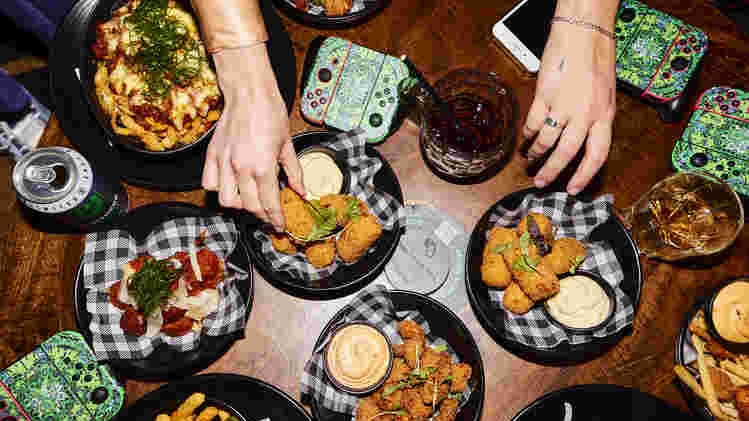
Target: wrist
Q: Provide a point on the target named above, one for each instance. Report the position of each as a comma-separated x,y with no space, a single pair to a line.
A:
244,71
596,12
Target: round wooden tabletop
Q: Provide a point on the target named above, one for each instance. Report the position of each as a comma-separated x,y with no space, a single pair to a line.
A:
37,269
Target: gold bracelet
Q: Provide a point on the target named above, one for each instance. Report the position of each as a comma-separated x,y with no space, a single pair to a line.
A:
584,24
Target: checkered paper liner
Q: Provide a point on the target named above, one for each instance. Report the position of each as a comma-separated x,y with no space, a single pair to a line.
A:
572,219
373,305
356,6
362,169
106,252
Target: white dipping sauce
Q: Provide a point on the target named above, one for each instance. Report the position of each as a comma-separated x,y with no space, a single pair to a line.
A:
321,175
581,303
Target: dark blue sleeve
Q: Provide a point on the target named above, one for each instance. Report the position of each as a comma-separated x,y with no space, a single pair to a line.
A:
13,96
38,17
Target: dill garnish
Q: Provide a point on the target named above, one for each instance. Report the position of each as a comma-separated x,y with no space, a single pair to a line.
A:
150,285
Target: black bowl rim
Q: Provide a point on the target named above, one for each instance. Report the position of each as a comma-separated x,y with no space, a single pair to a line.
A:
332,22
92,100
343,387
610,293
457,321
337,158
708,308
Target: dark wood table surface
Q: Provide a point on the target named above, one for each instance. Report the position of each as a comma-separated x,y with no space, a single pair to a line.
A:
37,269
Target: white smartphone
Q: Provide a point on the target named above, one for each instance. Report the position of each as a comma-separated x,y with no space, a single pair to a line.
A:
524,29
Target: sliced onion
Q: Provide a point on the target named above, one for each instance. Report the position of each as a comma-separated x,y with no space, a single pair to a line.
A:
154,323
194,263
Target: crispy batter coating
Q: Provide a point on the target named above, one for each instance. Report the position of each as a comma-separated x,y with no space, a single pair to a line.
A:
409,329
399,371
448,410
339,202
513,253
391,402
461,373
298,220
410,349
432,358
538,284
515,300
358,237
429,392
367,409
544,225
337,7
414,404
565,253
499,236
282,243
321,254
494,271
742,402
724,387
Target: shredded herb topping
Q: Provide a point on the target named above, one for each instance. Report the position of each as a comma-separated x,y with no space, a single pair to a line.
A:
150,285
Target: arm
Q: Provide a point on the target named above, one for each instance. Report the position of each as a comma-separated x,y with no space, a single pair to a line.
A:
252,136
577,88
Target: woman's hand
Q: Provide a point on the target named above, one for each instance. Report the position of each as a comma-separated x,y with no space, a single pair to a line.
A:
251,138
576,88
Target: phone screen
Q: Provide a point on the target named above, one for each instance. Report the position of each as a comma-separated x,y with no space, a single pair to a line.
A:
531,23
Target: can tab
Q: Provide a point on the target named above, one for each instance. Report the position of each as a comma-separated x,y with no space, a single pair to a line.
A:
41,174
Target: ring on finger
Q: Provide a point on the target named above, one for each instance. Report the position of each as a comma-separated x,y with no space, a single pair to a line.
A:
551,122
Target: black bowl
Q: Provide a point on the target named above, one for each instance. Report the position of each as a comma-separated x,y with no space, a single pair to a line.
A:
248,398
370,10
607,288
102,13
708,308
337,157
444,324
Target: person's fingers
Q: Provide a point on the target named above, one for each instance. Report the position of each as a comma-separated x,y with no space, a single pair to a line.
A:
227,191
210,169
596,151
547,137
250,200
291,166
269,194
569,144
535,120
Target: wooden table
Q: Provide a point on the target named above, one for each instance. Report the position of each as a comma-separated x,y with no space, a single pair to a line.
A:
37,269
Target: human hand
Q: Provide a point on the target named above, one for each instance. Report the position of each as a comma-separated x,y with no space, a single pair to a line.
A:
251,138
577,88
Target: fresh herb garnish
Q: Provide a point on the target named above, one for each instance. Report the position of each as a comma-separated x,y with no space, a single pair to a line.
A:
501,248
525,242
457,395
389,390
325,221
150,285
166,53
352,209
576,262
525,263
440,348
424,373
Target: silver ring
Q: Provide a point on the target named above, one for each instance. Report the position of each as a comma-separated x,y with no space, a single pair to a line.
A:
548,121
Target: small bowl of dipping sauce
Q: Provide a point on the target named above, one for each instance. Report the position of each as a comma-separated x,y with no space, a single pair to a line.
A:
324,172
585,303
727,312
358,358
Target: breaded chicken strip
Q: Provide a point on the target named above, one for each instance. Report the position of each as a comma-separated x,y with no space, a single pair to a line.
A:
448,410
543,223
282,243
414,404
515,300
321,253
340,202
494,271
367,409
461,373
299,221
409,329
358,237
566,253
499,238
520,248
538,284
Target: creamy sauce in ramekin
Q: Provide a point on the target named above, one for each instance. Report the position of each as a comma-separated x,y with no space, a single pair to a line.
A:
731,312
358,356
581,303
321,175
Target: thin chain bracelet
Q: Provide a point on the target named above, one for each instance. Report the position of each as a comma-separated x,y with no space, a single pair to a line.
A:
584,24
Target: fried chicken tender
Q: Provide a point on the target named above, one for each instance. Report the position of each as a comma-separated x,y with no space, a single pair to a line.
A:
358,237
410,349
742,402
409,329
544,225
724,387
448,410
367,409
339,202
515,300
282,243
414,404
517,250
391,402
429,392
321,254
461,373
399,371
299,221
494,271
566,253
337,7
434,359
500,236
538,284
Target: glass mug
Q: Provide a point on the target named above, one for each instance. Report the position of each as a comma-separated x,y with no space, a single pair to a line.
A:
467,124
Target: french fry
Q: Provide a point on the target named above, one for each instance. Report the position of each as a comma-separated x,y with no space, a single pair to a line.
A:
163,417
207,414
707,384
189,406
735,369
223,415
686,377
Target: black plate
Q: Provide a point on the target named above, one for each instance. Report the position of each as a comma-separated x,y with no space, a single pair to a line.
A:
251,398
444,324
75,110
600,402
371,9
491,318
347,278
166,363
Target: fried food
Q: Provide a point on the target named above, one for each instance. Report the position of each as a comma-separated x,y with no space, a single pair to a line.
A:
321,254
544,225
461,373
448,410
566,254
337,7
367,409
299,221
724,387
389,402
742,402
399,372
414,404
410,349
344,208
409,329
520,248
499,238
282,243
431,358
431,393
358,237
515,300
539,283
494,271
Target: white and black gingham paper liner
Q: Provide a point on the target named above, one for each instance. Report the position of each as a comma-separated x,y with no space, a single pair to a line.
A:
362,169
572,219
356,6
106,252
374,306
